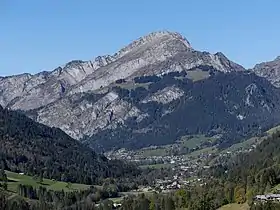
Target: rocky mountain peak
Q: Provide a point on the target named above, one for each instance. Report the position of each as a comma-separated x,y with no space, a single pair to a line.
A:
157,53
74,63
277,59
269,70
100,61
227,64
153,38
221,55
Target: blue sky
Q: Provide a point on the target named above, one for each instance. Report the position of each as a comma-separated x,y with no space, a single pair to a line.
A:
41,35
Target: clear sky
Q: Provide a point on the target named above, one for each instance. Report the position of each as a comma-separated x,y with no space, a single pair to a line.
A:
38,35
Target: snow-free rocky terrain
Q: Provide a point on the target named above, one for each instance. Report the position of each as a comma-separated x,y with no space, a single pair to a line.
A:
151,92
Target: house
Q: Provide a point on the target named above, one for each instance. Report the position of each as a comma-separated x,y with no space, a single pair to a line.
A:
267,197
117,205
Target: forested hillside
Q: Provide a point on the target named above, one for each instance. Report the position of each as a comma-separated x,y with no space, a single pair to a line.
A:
35,149
232,106
238,181
247,175
259,169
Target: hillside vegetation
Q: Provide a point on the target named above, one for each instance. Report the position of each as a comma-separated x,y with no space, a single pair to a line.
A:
206,107
35,149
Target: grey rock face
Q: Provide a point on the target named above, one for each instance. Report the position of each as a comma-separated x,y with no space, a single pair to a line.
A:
78,115
12,87
165,95
269,70
59,98
27,91
156,53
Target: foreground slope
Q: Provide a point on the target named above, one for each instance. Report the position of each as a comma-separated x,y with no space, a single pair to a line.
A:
260,165
33,148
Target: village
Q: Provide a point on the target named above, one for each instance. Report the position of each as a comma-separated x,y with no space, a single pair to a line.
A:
183,168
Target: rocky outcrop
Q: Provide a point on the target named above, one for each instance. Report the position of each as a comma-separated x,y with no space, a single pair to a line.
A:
269,70
12,87
154,54
84,115
165,95
28,91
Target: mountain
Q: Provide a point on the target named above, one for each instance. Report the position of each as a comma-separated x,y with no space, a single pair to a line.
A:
156,53
269,70
23,91
160,109
231,106
33,148
153,91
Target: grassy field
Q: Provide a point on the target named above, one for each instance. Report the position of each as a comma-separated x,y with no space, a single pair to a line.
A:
244,144
235,206
15,179
117,200
160,151
197,75
207,150
186,141
194,140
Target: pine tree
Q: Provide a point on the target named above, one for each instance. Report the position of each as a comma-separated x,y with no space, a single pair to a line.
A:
41,177
3,177
169,203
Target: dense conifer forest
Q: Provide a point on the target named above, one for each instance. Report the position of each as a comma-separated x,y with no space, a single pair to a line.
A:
35,149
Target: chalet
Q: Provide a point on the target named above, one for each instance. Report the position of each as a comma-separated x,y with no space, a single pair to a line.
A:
267,197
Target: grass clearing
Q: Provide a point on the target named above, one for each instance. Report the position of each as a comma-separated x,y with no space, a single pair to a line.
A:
117,200
160,151
15,179
243,145
194,140
189,141
207,150
235,206
196,75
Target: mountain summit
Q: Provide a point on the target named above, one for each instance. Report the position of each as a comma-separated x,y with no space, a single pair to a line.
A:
151,92
269,70
154,54
153,38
